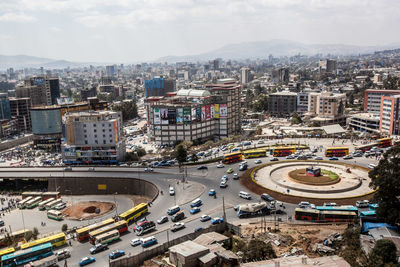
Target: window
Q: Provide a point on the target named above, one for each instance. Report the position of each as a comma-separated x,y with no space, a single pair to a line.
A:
96,141
85,136
84,131
109,130
104,136
104,130
94,125
95,136
104,141
85,142
103,124
110,135
109,125
84,125
95,130
110,141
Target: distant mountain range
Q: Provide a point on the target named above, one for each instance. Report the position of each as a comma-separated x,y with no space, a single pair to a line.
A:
23,61
253,50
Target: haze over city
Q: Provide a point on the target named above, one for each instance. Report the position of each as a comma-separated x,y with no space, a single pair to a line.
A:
132,31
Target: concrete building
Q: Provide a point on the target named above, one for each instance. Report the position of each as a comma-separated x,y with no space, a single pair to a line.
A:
302,102
8,128
42,90
280,75
372,99
93,137
158,87
19,108
282,104
46,127
5,112
364,122
187,254
244,75
327,66
390,115
326,104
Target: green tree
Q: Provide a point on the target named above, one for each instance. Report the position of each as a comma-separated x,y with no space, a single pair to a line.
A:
352,251
128,110
261,103
131,156
296,119
35,233
257,250
194,157
181,154
141,152
383,254
385,177
28,236
64,227
392,83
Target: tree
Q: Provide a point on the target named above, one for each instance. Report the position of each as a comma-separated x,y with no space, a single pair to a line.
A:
28,236
181,154
258,130
141,152
35,233
194,157
383,254
257,250
385,177
64,227
351,99
392,83
262,103
128,110
351,251
296,119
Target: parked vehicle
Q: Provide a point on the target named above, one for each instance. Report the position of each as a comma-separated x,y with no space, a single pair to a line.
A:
195,210
135,242
362,204
173,210
86,260
116,254
267,197
97,248
205,218
212,192
244,195
202,168
171,191
177,226
217,220
162,220
178,216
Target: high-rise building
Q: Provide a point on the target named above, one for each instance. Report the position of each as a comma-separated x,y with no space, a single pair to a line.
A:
282,104
94,137
19,108
244,75
46,127
110,70
390,115
158,87
372,99
327,66
42,90
54,89
326,104
5,112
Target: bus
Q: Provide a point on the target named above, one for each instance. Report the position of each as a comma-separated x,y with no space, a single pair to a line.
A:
283,151
107,237
121,226
364,148
148,241
232,157
44,202
83,233
47,195
134,212
33,202
15,236
255,153
6,252
55,215
49,261
56,240
52,204
31,194
24,256
347,208
336,151
21,204
324,216
384,142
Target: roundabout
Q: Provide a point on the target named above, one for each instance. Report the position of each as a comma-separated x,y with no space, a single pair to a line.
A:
296,180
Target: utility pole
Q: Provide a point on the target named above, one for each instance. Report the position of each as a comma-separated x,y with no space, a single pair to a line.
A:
223,207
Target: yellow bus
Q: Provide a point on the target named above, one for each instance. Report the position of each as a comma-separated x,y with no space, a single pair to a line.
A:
336,151
232,157
107,237
15,236
56,240
6,251
83,233
283,151
255,153
384,142
134,212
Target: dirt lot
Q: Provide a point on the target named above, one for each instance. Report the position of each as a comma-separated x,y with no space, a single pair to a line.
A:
87,210
295,235
137,199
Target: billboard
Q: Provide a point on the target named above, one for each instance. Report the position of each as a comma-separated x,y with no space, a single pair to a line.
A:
179,116
47,121
164,116
186,114
194,114
198,114
203,113
157,116
171,116
223,110
216,111
38,81
212,112
208,112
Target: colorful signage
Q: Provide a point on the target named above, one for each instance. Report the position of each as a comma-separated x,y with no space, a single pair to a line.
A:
179,116
186,114
194,114
216,110
208,112
171,116
223,110
157,116
164,116
203,113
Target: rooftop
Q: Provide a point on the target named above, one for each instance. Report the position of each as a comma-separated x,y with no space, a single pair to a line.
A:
188,248
288,93
210,238
193,93
301,261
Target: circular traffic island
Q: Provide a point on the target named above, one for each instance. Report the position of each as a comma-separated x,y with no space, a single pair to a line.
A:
86,210
325,178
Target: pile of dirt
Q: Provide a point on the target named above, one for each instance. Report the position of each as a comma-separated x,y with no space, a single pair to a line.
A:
87,210
300,175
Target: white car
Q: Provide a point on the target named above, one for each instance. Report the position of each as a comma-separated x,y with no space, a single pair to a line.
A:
318,158
258,161
220,165
136,242
371,166
223,184
304,204
362,203
177,226
235,176
171,191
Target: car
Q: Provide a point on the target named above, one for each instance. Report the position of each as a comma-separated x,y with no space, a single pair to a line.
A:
333,158
312,206
148,169
86,260
217,220
202,168
274,159
302,157
371,166
116,254
60,206
318,158
225,177
69,168
347,157
362,203
236,207
63,254
162,220
198,229
135,242
243,167
211,192
267,197
1,223
220,165
235,149
258,161
97,248
260,142
304,204
230,170
290,157
235,176
330,204
195,210
177,226
223,184
205,218
171,191
91,169
357,155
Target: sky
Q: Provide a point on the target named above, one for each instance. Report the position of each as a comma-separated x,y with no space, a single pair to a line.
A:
138,30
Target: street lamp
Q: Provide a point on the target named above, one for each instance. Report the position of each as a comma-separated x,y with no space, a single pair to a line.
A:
115,203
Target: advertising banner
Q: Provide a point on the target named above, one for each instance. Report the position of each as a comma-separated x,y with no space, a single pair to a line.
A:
198,114
194,114
186,114
164,116
203,113
208,112
223,110
212,112
157,116
171,116
179,116
216,110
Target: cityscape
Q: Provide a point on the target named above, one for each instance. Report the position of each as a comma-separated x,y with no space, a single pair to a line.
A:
254,134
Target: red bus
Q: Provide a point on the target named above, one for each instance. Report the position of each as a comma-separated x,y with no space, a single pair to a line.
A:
324,216
336,151
283,151
364,147
121,226
83,233
232,157
384,142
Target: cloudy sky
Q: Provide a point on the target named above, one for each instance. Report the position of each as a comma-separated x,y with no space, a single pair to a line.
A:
135,30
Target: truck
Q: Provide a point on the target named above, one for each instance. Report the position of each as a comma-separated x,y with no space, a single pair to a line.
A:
48,261
253,209
145,228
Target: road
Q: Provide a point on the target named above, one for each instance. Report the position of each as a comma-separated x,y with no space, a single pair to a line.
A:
163,177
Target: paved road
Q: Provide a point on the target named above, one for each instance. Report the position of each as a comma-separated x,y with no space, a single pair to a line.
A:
163,178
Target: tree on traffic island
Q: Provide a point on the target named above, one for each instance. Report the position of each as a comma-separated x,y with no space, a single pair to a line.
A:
181,154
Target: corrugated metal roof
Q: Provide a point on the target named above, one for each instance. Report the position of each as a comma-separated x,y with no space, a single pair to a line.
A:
193,93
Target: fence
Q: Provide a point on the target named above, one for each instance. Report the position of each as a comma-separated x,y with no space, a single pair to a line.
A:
138,259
